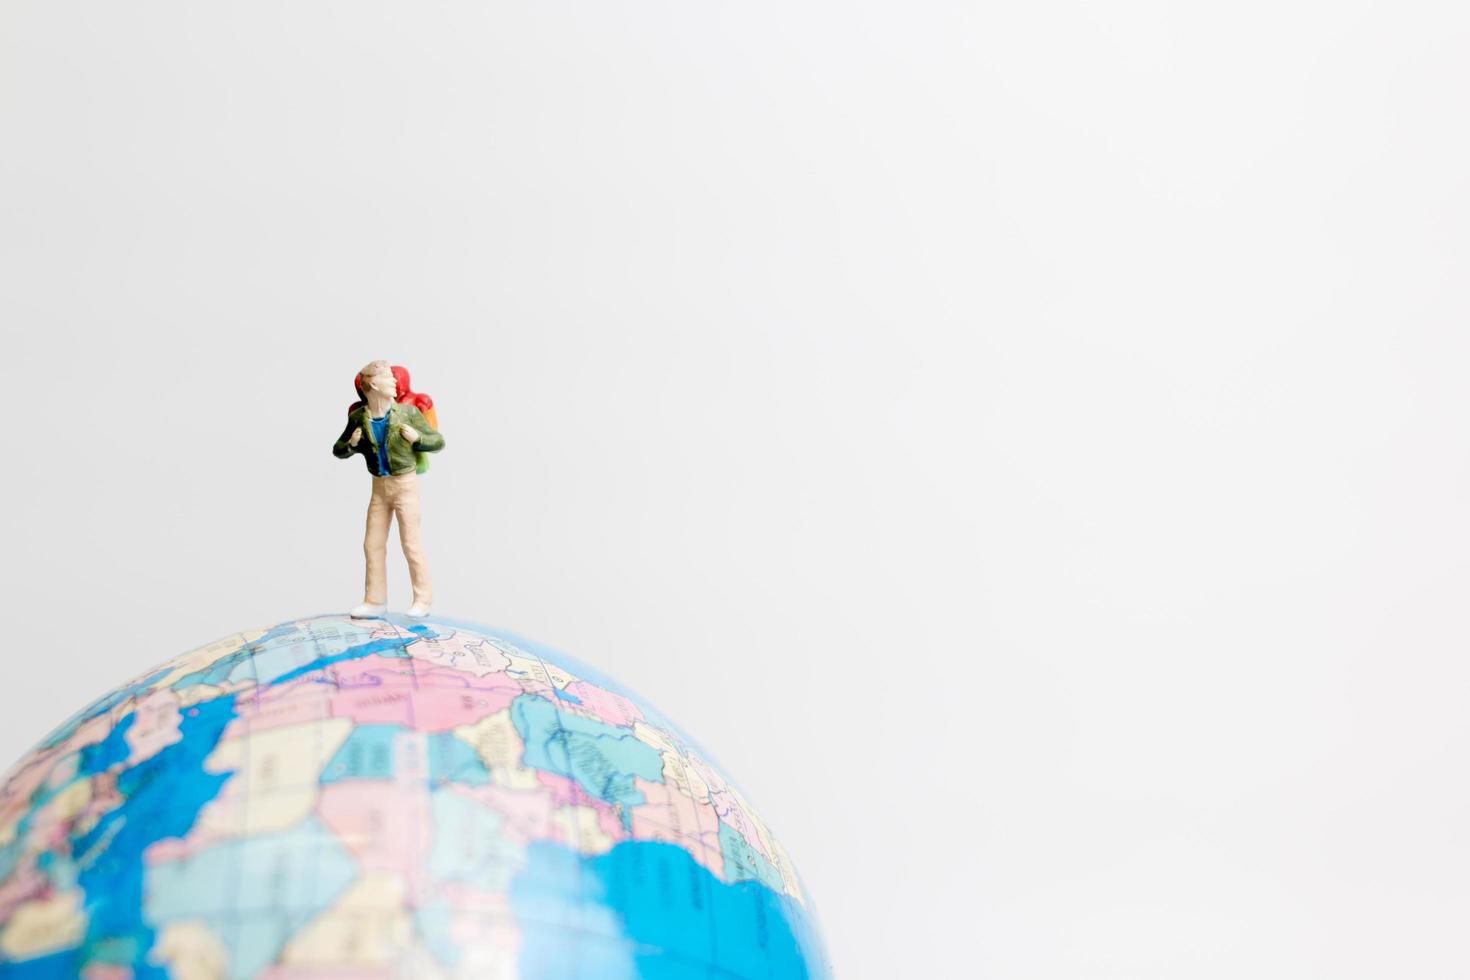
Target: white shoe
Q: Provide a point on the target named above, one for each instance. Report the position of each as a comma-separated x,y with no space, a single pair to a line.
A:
418,610
369,610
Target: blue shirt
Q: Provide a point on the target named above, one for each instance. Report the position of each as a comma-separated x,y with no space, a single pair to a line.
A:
380,436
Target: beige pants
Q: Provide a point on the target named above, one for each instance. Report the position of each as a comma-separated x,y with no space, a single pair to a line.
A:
394,496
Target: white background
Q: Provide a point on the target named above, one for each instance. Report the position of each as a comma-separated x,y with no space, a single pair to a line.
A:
1025,441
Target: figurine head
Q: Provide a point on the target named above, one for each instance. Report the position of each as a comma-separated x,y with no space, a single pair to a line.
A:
378,377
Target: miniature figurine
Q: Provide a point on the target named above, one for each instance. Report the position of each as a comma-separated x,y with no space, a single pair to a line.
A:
393,428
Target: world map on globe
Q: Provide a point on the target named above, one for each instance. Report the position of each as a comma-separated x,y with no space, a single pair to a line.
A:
332,798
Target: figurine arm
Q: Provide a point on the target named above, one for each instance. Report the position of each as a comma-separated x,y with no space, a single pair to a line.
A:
342,448
429,441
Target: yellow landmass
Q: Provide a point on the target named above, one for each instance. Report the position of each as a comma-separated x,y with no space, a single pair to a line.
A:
187,663
476,656
191,952
782,862
277,776
522,663
44,925
653,738
370,924
579,823
684,778
67,805
495,739
195,693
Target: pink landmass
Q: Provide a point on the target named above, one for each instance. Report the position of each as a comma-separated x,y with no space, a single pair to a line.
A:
565,792
444,701
374,690
601,705
674,818
302,700
155,726
105,799
21,885
385,828
429,699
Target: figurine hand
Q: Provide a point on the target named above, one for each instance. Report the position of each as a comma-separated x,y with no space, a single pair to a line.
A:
356,437
410,433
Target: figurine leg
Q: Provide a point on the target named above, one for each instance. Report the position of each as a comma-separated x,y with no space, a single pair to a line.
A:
375,543
406,507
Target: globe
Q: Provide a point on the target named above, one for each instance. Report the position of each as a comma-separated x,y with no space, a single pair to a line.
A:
334,798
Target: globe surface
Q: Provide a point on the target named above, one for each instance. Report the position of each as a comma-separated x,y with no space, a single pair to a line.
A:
338,798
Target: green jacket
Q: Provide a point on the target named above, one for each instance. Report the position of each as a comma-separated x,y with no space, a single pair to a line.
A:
402,454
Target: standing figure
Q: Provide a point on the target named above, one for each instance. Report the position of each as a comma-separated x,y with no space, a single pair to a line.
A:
392,434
